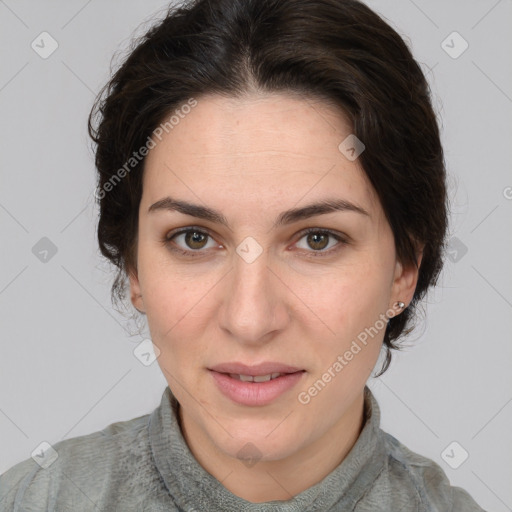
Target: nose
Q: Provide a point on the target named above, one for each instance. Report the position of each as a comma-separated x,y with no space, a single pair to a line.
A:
254,307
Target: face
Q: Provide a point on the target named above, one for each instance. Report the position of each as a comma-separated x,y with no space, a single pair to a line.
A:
233,279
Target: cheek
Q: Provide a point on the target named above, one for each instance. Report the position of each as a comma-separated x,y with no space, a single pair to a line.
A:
174,328
178,306
353,309
353,298
162,294
173,309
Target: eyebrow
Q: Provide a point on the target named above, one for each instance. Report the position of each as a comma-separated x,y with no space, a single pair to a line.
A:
287,217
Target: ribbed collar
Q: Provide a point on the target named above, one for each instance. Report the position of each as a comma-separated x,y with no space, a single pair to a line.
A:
193,488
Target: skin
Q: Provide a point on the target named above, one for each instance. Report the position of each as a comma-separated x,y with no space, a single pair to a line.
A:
252,158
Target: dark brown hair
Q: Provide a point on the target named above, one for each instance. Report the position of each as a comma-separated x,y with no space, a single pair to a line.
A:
337,50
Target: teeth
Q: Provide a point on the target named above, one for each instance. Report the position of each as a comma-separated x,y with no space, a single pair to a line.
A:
257,378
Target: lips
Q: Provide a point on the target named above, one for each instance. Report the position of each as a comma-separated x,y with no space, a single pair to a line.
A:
256,378
255,385
255,370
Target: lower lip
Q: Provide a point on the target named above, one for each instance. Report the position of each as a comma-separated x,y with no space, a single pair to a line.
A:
255,393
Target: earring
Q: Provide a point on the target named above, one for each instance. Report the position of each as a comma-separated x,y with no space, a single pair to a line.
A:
399,305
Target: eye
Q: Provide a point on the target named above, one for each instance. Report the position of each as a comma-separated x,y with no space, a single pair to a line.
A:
192,241
318,240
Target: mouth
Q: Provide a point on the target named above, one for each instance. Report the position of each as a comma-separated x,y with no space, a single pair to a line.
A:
255,385
256,378
257,370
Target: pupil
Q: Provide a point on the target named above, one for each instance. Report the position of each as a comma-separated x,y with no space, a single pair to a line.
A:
196,237
315,238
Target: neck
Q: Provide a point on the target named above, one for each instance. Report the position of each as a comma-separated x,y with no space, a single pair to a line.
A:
278,479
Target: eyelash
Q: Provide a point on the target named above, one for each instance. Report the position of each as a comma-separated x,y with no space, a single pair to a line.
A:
315,254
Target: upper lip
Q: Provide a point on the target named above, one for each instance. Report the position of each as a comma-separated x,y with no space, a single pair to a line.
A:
265,368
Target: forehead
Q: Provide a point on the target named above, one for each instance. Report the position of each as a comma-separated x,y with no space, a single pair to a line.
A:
267,146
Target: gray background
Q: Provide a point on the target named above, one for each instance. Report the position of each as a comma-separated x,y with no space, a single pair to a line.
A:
67,366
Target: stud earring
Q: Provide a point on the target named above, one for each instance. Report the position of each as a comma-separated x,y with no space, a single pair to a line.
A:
399,305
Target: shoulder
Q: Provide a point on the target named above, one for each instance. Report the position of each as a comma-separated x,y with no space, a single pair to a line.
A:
413,476
77,469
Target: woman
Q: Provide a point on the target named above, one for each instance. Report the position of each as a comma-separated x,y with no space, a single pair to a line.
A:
272,189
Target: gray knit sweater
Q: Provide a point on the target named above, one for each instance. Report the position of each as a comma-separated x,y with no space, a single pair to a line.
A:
145,465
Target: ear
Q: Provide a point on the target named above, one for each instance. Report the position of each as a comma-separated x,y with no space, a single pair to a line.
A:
135,291
405,280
